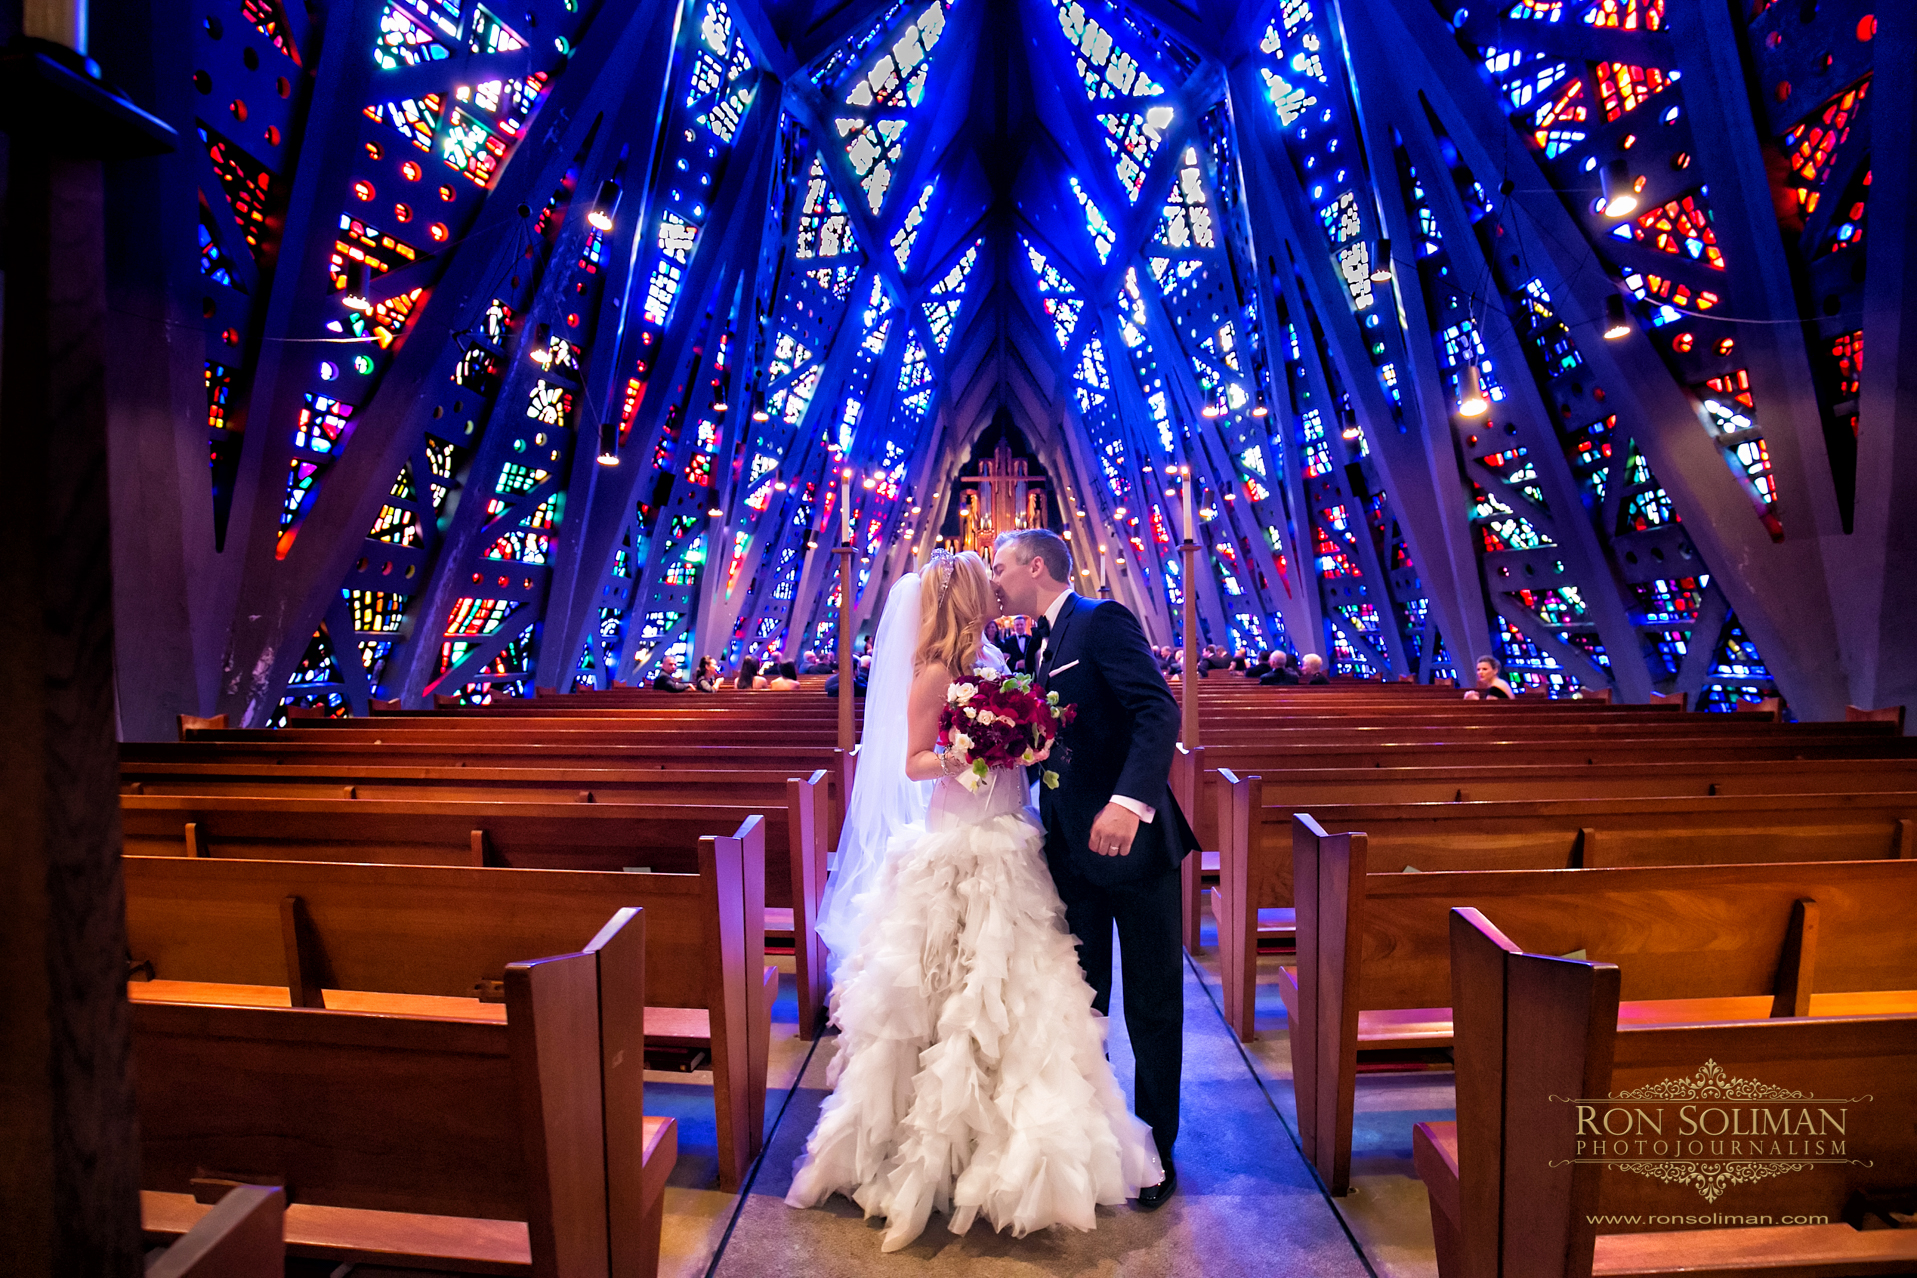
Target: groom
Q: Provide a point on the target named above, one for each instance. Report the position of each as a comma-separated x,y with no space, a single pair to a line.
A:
1113,833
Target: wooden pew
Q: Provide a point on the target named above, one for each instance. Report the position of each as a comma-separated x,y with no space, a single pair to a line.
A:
416,1135
1510,1192
1194,780
243,1237
797,837
1720,942
1256,845
362,933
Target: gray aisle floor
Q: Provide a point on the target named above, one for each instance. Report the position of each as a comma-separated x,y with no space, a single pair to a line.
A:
1387,1210
1246,1202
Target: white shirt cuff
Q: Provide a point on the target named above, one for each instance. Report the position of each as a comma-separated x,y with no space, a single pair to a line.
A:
1144,811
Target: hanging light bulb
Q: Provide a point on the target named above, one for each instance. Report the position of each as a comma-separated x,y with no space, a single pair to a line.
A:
1620,189
1381,267
355,299
1351,431
600,214
1258,408
609,442
719,404
759,412
1617,320
542,345
1471,397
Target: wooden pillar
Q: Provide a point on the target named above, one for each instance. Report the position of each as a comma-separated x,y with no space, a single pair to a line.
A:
848,673
1188,682
69,1150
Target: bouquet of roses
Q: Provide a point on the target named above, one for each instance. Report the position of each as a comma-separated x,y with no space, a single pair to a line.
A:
1000,721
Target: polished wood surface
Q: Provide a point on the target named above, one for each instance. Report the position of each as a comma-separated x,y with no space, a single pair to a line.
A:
1505,1198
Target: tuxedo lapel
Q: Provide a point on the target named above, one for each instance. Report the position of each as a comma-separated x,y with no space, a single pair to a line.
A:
1055,642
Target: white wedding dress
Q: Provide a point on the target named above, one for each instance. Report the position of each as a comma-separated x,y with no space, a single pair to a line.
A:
970,1076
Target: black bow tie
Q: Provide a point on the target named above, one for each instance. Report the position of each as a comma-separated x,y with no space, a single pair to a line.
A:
1041,630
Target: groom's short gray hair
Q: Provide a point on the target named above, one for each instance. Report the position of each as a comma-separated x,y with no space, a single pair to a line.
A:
1042,544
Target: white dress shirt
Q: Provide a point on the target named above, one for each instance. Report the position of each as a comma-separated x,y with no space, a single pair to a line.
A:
1143,811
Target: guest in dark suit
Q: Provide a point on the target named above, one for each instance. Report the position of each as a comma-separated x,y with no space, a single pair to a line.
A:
1314,669
1018,645
668,680
1114,836
1278,671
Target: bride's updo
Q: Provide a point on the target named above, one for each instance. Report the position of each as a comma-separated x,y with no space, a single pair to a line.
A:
955,602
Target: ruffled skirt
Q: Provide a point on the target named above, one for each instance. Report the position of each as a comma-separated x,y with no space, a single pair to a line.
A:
971,1076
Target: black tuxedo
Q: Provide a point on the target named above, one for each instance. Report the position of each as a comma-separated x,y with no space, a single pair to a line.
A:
1120,743
1019,651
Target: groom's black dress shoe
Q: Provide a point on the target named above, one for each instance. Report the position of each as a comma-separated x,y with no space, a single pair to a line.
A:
1152,1197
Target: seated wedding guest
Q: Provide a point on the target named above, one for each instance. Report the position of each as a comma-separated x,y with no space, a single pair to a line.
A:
706,677
858,680
1312,669
749,677
1491,685
817,662
1241,660
1257,669
668,680
1278,671
787,678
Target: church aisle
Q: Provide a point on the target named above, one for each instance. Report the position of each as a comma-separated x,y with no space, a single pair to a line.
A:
1387,1211
1246,1202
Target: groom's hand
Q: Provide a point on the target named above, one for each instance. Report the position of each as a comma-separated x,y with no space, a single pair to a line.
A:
1114,830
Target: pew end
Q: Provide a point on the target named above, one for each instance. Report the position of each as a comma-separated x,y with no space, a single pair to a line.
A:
1505,1198
809,816
198,723
1889,714
1187,785
1239,799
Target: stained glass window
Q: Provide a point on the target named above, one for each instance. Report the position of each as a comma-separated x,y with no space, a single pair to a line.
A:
941,310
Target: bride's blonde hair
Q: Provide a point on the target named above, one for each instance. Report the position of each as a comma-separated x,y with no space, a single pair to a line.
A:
955,602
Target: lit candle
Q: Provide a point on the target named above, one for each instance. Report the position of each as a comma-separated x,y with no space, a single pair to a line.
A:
845,505
1187,502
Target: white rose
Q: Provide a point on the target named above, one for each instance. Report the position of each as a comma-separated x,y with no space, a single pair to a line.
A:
986,718
970,713
960,742
963,692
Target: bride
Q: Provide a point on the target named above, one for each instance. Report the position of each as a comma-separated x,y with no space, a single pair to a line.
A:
970,1076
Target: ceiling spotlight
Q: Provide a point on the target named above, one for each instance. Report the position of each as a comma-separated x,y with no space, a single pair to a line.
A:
1620,189
1617,320
356,299
1471,397
600,214
759,413
609,442
1381,265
